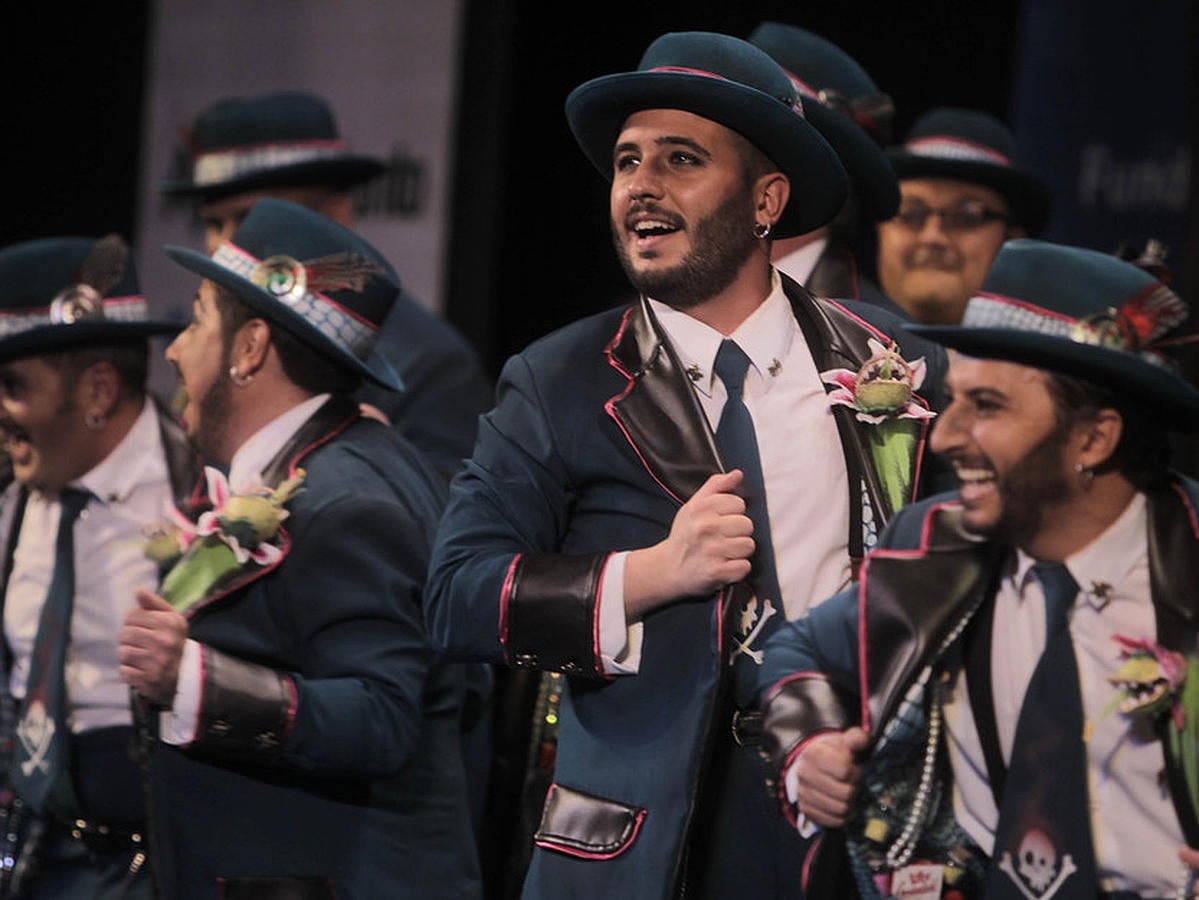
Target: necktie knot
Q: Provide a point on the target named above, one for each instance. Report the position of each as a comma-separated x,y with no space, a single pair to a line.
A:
1059,588
731,367
72,501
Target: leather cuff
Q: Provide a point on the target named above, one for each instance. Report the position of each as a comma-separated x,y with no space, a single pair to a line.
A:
246,709
796,709
551,613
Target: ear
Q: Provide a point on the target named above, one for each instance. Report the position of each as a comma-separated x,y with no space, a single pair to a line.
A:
250,346
1097,439
99,389
771,193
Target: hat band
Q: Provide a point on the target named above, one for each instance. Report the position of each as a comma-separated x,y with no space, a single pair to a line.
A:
342,327
944,147
1103,329
795,104
220,166
113,309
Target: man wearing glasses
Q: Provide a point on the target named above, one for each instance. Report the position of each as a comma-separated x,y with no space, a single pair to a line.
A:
962,196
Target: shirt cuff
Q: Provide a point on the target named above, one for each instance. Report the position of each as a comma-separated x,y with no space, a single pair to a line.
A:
619,642
178,725
805,826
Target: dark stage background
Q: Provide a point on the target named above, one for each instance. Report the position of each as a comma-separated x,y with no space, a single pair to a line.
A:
528,247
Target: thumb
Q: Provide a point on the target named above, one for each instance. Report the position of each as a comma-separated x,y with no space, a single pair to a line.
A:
151,601
856,740
721,483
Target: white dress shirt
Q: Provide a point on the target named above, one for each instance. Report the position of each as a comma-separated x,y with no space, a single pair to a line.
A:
178,724
131,487
1136,831
802,461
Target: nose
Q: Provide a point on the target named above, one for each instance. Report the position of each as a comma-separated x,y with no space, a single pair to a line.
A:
948,430
933,231
172,352
642,183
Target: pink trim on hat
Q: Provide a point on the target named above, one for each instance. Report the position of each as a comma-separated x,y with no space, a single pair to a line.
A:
944,146
224,164
686,70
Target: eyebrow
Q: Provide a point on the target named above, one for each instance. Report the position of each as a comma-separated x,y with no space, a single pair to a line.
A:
663,141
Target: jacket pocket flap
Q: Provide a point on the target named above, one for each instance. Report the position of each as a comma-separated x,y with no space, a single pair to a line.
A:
585,826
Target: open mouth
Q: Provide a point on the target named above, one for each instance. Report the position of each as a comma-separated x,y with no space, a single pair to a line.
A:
974,480
1140,694
650,227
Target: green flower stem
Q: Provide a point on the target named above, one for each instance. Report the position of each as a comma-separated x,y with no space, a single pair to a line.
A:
892,447
206,562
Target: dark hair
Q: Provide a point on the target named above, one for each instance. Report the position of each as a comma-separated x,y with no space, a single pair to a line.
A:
304,366
1143,453
130,358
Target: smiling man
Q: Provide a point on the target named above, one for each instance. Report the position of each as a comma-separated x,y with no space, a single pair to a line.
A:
920,709
83,438
616,526
962,195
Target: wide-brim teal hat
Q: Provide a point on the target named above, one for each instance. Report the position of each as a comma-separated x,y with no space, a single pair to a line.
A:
974,146
279,139
66,293
1083,313
314,278
846,106
733,83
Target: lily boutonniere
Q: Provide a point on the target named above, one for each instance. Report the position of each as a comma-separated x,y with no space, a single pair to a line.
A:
1157,684
241,532
882,394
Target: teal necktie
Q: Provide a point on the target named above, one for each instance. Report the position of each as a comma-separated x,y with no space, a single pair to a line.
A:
1043,839
738,445
40,759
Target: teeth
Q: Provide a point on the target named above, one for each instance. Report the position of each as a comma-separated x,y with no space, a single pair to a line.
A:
647,226
973,475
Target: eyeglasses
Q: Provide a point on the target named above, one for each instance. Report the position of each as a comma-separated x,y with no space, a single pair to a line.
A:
968,216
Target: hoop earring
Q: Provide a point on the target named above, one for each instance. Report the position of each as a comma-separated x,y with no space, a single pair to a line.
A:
95,420
239,379
761,230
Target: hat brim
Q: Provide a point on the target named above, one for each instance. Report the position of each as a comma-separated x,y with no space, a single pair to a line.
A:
346,172
874,182
1026,194
596,112
78,335
374,368
1170,395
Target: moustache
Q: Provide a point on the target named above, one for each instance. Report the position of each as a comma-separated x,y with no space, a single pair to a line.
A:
939,258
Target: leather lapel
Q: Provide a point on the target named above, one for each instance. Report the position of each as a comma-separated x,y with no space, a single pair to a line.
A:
658,411
1174,567
839,340
902,620
1174,586
328,421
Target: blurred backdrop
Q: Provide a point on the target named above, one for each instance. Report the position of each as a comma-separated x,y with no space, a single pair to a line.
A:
488,209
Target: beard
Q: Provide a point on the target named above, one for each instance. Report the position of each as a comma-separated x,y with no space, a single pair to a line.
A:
720,245
1032,485
213,411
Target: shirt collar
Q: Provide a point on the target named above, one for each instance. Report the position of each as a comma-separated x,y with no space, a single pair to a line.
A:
800,263
253,456
137,460
765,337
1106,562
